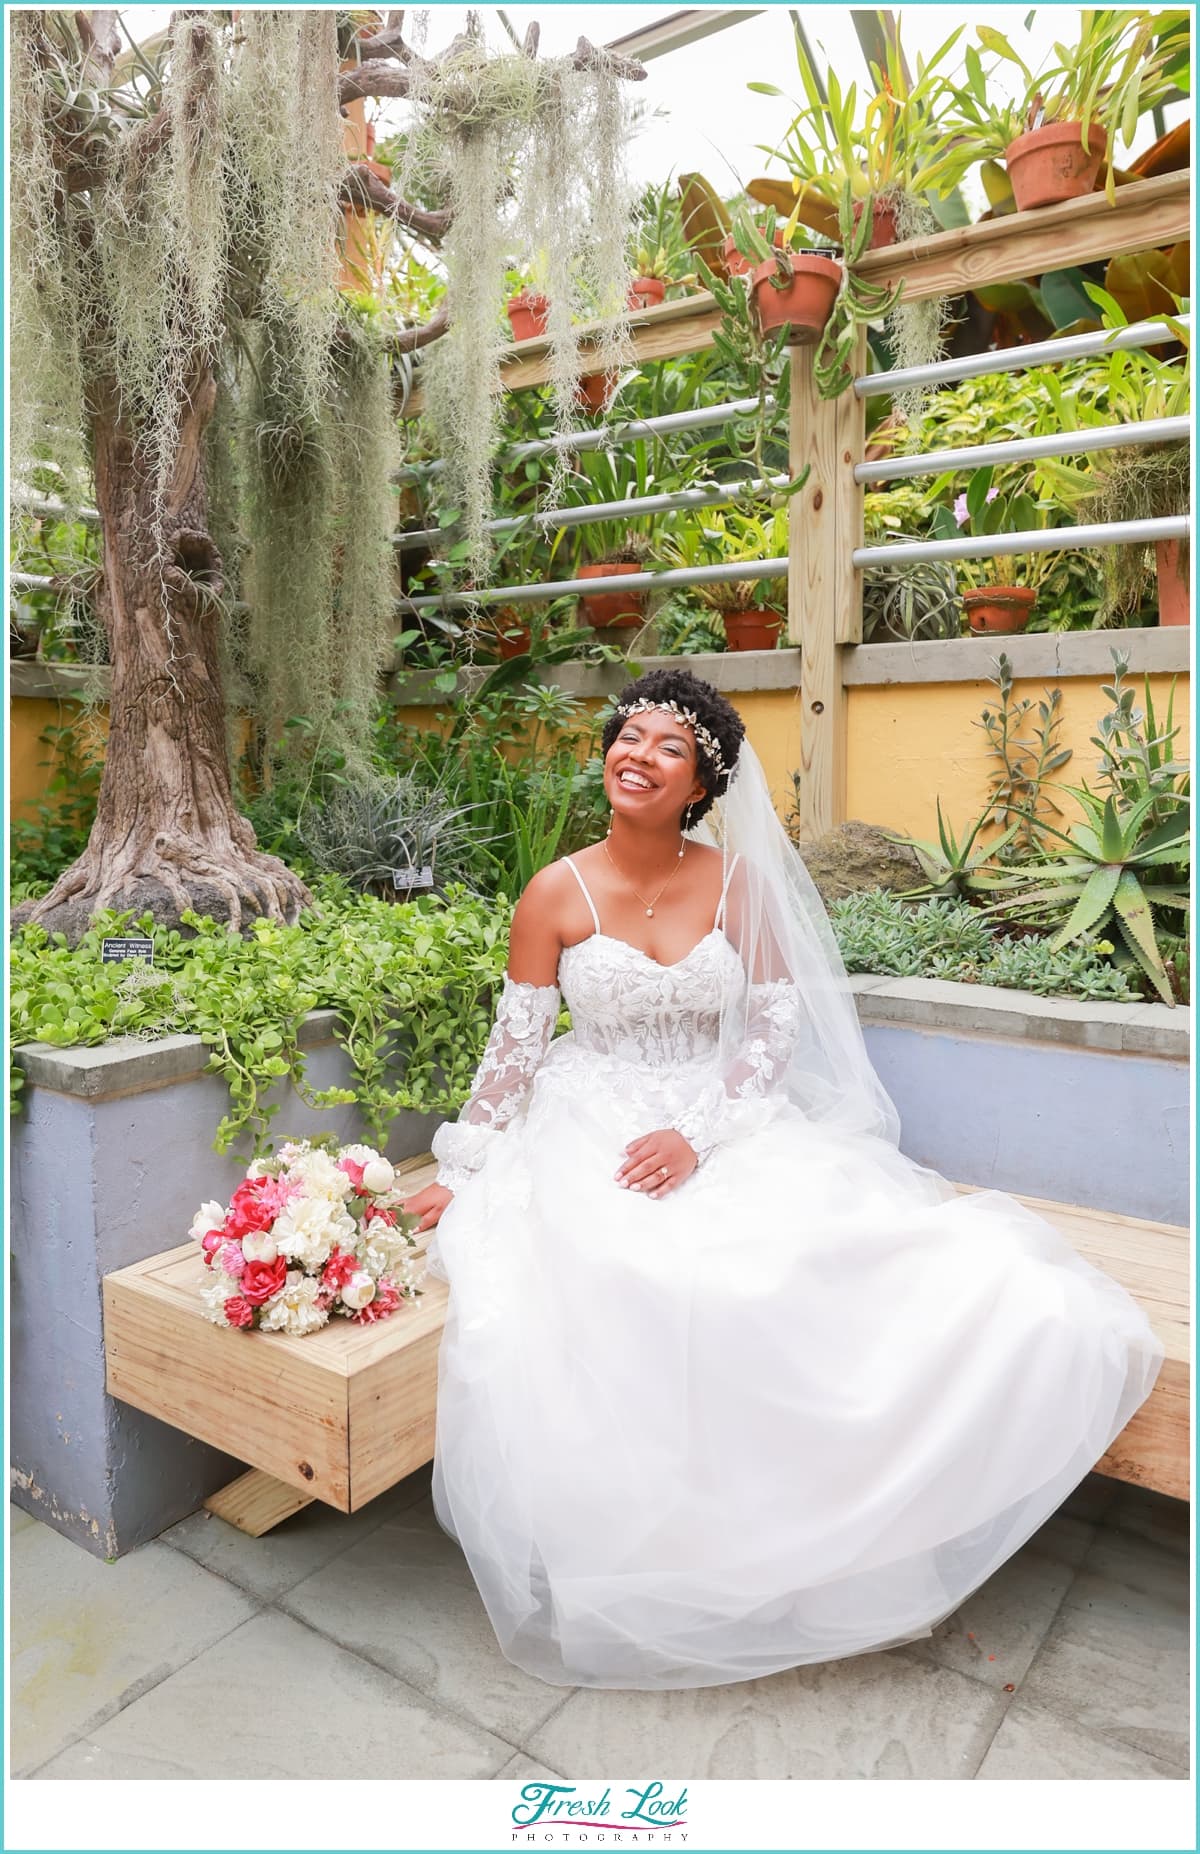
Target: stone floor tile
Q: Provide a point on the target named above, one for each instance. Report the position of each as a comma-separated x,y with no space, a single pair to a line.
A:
87,1636
525,1769
283,1557
1092,1498
1138,1512
995,1633
875,1715
275,1700
18,1519
1034,1744
406,1597
1116,1656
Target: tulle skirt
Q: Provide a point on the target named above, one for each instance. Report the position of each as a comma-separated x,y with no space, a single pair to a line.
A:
796,1410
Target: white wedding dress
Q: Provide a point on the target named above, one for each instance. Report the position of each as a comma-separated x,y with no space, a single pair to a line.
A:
794,1410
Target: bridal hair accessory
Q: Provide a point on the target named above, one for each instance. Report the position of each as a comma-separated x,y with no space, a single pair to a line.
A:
318,1229
704,739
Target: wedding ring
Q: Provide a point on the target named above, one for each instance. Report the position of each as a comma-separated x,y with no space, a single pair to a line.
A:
665,1170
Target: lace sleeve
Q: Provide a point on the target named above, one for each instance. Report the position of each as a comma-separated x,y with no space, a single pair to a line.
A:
734,1102
524,1024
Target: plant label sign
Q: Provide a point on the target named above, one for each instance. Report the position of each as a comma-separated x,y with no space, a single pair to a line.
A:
131,946
412,877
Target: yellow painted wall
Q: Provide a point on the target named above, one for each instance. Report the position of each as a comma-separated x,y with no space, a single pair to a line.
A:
907,744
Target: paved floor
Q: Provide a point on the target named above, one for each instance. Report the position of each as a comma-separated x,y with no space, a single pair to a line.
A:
120,1669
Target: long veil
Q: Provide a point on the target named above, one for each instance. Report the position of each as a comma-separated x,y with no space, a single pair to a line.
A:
777,921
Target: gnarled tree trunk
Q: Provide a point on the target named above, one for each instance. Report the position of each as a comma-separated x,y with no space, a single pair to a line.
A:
167,835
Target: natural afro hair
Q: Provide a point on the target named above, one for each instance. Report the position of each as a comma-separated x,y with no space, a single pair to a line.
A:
710,708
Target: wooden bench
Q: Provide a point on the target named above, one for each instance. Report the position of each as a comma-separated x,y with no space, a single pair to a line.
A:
343,1414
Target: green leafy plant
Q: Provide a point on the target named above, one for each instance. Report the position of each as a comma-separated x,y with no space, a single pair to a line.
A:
858,303
987,509
367,831
1022,765
413,986
722,538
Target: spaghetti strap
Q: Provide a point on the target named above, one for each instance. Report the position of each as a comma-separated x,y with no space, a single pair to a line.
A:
724,887
587,897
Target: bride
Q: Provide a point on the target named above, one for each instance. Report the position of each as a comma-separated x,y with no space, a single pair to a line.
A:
727,1384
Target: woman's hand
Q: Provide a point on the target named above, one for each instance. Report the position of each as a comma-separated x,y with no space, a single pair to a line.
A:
427,1204
646,1157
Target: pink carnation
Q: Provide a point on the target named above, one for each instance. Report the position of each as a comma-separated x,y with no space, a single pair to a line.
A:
256,1203
239,1312
380,1215
229,1257
387,1299
338,1270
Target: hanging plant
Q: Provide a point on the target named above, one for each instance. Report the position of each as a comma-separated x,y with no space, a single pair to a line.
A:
528,156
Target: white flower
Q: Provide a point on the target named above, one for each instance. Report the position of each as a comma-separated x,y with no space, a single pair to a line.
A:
259,1246
294,1309
358,1292
378,1175
257,1169
210,1216
382,1247
324,1177
221,1289
306,1229
362,1155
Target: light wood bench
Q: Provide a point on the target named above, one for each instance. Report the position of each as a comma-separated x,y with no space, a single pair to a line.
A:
345,1413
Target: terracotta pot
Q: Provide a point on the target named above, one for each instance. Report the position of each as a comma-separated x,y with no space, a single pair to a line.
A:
614,611
805,303
755,630
596,391
883,223
529,314
735,263
644,292
506,632
1051,164
1174,592
997,609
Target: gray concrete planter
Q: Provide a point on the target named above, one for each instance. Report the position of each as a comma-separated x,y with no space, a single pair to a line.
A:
1084,1103
111,1156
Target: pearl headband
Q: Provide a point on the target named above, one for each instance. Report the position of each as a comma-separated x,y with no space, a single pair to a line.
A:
710,744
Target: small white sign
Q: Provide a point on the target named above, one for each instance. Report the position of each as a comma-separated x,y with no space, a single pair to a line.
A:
130,946
412,877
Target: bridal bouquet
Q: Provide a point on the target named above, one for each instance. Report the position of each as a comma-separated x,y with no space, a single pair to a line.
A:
314,1231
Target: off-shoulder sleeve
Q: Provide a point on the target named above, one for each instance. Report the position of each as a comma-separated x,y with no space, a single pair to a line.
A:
520,1036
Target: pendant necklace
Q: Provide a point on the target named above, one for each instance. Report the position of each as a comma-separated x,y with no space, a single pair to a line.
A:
649,905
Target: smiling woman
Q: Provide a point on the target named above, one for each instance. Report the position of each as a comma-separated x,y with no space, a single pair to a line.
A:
821,1396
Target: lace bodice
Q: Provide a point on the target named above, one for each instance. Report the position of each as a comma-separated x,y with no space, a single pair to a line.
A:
655,1029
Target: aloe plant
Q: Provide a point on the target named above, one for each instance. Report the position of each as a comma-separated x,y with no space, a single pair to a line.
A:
1108,877
955,868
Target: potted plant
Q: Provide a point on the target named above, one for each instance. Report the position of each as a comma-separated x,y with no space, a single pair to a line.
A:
1065,120
893,159
1130,483
615,548
1001,602
528,313
661,257
750,610
793,287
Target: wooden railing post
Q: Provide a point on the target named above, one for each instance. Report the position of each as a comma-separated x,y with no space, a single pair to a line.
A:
824,588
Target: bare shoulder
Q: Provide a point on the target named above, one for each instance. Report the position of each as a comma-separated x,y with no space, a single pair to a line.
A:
535,938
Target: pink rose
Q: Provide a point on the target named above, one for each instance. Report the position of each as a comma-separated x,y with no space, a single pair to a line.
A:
381,1215
249,1210
210,1242
238,1311
262,1279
